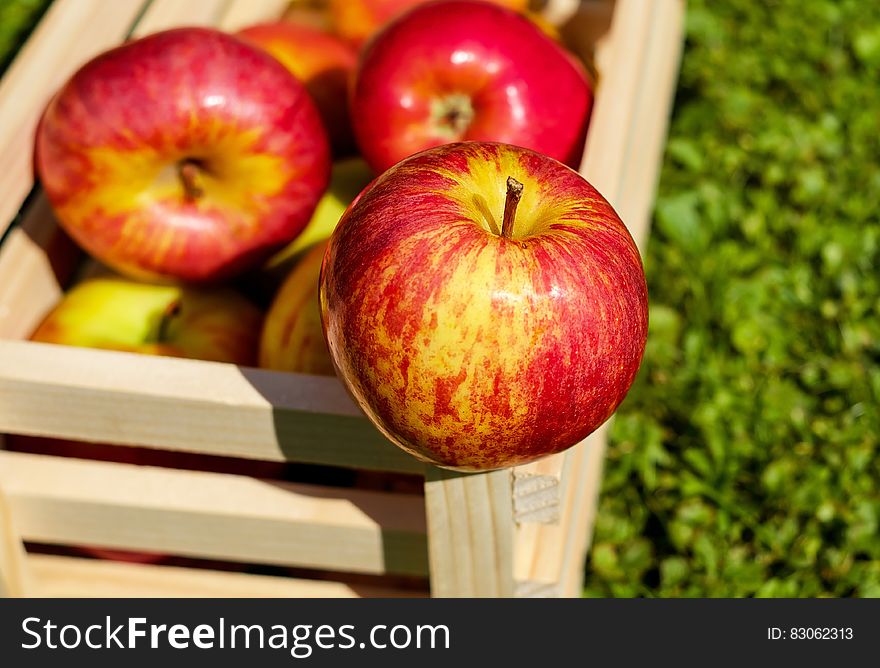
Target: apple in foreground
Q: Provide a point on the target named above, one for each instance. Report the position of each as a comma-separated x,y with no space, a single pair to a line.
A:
357,20
323,62
292,338
465,70
118,314
484,305
188,154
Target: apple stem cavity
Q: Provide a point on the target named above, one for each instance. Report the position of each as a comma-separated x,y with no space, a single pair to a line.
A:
189,172
514,195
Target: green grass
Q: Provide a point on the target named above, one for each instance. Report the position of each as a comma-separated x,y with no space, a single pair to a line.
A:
745,460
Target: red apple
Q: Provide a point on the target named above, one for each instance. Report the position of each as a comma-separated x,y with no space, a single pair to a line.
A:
323,62
484,305
188,154
292,338
464,70
357,20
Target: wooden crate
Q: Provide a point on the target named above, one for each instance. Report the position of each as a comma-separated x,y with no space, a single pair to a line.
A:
515,532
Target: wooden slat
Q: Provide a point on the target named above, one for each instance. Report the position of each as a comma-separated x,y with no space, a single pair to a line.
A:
629,118
193,406
71,32
470,529
15,577
242,13
212,515
548,559
69,577
36,261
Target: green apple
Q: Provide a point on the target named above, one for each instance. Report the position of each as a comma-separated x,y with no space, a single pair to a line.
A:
347,179
119,314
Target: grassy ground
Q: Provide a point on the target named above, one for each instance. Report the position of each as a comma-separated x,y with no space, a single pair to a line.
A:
745,461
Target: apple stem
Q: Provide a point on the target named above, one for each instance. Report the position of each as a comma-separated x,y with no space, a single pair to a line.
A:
514,194
189,173
171,312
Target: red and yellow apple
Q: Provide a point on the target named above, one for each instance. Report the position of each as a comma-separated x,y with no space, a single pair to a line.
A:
357,20
484,305
188,154
118,314
292,338
465,70
323,62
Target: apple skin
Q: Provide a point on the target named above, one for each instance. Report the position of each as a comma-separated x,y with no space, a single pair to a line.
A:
323,62
474,351
358,20
467,71
118,314
292,338
188,154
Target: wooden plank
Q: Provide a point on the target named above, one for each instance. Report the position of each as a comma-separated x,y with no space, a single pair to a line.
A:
212,515
470,533
36,261
176,404
630,115
165,14
71,32
15,577
537,490
243,13
69,577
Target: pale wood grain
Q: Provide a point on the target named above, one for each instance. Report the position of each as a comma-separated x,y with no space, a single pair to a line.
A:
69,577
213,515
15,575
71,32
470,528
223,410
165,14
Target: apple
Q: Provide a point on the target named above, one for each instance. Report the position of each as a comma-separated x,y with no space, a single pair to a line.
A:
292,338
323,62
119,314
464,70
188,154
484,305
357,20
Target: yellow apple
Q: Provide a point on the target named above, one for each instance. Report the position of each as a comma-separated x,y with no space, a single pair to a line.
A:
292,338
